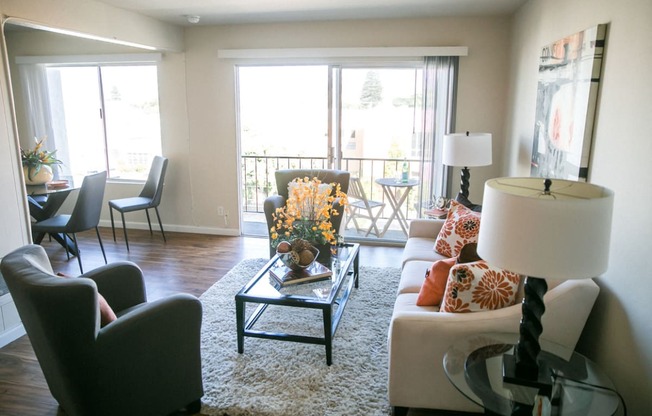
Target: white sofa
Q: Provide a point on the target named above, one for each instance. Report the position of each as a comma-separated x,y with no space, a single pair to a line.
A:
420,336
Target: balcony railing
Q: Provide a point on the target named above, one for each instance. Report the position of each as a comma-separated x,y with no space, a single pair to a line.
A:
259,181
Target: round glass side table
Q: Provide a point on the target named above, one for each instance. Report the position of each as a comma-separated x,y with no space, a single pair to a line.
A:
474,366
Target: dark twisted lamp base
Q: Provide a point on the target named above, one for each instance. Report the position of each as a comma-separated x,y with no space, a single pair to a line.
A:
465,175
522,367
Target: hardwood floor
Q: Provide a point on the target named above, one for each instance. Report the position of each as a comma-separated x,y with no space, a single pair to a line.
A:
189,263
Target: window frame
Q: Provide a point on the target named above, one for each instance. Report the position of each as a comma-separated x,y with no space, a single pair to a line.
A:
97,62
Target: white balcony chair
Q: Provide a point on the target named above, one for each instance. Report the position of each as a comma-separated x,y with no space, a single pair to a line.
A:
360,207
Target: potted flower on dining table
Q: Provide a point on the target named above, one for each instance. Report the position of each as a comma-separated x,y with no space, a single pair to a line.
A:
37,164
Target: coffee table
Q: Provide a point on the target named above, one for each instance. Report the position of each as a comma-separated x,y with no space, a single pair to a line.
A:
334,293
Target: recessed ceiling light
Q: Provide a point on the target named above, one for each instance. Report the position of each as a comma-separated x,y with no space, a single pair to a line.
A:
193,18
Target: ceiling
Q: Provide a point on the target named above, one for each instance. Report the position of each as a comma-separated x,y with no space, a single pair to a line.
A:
214,12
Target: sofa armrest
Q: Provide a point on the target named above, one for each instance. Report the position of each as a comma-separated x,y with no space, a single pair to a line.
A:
158,338
417,344
425,228
419,339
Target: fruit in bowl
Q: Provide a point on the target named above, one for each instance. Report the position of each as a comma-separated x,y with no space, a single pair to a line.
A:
297,254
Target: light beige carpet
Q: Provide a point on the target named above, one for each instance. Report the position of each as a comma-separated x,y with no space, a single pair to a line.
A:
274,378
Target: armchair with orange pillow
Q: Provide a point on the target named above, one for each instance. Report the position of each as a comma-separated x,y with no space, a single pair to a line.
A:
103,348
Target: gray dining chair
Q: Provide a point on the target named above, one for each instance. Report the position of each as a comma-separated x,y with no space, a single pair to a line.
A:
85,215
150,197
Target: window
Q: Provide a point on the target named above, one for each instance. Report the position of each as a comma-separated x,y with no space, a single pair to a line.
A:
98,116
283,110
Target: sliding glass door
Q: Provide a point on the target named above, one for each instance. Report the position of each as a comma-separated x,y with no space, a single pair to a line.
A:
380,123
367,119
283,124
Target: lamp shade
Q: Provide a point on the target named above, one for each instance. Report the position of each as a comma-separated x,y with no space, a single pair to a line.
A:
560,234
466,149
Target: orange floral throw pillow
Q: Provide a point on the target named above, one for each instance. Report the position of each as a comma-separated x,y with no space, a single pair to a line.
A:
460,228
477,286
432,290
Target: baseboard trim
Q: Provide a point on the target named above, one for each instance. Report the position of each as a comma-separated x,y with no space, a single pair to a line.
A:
11,335
231,232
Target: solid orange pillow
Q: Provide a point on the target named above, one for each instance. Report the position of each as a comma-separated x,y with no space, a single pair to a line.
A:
432,290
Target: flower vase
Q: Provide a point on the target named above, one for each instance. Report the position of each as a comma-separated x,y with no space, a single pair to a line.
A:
325,254
43,175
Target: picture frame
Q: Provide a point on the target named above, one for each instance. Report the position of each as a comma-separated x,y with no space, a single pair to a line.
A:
570,70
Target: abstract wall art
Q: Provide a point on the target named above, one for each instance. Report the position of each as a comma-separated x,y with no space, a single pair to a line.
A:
567,95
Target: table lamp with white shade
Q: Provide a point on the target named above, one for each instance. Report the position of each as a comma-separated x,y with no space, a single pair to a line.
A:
465,150
543,229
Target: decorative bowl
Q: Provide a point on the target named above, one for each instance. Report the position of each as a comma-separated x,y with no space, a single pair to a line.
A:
291,259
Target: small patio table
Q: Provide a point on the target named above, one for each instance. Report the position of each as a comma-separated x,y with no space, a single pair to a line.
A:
396,192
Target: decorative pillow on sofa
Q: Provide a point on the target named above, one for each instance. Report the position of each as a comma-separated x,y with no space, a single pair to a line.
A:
460,228
432,290
478,286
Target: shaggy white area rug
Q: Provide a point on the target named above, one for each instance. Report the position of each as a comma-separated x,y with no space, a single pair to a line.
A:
287,378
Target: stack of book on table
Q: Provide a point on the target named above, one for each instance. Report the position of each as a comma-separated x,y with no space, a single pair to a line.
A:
286,276
436,213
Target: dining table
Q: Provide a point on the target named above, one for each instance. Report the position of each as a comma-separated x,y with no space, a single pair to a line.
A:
44,202
396,191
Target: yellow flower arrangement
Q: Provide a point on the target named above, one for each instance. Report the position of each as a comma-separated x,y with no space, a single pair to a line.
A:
307,213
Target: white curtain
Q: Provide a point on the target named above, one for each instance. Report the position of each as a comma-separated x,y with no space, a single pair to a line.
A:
36,101
439,94
40,95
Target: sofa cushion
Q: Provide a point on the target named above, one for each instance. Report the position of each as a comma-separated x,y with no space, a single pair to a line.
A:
461,227
420,248
478,286
413,276
407,302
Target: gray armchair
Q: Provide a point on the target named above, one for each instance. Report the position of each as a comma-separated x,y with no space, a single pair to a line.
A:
284,177
146,362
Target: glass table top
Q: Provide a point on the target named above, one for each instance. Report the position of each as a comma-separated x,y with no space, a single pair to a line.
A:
266,286
475,367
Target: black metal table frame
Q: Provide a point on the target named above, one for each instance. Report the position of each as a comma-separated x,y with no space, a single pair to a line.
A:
40,212
331,322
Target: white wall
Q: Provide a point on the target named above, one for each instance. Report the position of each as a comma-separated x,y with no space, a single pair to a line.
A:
13,226
89,17
619,333
98,19
174,129
197,99
211,101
